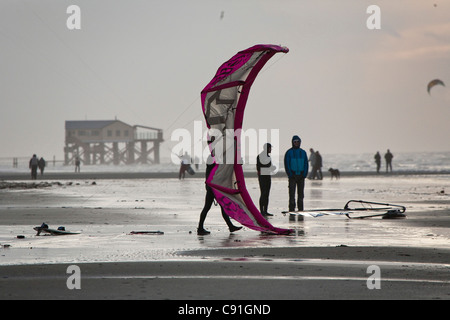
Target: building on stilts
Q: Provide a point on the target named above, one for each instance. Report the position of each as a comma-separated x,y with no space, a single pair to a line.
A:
111,142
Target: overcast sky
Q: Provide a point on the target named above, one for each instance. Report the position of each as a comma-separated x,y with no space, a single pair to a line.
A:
342,87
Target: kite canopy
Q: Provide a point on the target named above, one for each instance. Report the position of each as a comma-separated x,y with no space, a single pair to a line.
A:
223,103
433,83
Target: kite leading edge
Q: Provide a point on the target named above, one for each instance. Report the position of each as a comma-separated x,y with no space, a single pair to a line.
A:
433,83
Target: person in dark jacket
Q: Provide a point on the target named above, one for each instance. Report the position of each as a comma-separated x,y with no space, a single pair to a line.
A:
388,156
296,166
33,165
264,169
41,165
319,165
377,158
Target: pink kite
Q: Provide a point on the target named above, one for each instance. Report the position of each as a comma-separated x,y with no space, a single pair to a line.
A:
223,103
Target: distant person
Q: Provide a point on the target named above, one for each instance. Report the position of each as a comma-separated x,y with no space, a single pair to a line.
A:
377,158
264,168
209,199
41,165
296,166
77,164
33,165
185,164
312,161
318,166
388,156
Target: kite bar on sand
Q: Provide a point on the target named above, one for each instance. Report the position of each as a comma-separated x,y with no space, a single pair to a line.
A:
391,211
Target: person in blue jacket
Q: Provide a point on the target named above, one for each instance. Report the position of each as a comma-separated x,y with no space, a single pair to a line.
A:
296,166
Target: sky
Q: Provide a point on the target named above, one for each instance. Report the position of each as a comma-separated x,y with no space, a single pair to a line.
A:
343,88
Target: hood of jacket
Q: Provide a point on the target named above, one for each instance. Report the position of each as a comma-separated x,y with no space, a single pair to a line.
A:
296,138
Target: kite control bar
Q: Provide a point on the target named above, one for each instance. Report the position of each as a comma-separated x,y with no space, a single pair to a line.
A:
387,206
393,210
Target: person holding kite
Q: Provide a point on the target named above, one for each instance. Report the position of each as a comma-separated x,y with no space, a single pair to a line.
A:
209,199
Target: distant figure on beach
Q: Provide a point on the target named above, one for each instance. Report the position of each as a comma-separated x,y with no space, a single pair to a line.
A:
296,166
209,199
312,161
77,164
33,165
377,158
264,169
388,156
185,164
41,165
318,166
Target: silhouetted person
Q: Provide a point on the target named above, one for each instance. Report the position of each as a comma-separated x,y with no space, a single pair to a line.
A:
77,164
318,166
264,169
388,156
33,165
296,166
185,163
209,199
41,165
377,158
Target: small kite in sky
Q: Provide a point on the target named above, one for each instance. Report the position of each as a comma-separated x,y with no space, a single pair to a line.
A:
433,83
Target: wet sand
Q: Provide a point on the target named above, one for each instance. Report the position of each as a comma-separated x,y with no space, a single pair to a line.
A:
326,259
250,274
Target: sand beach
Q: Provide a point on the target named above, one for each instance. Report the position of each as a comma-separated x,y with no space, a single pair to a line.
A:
327,257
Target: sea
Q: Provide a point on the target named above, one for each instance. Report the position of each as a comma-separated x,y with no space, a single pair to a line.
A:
411,162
